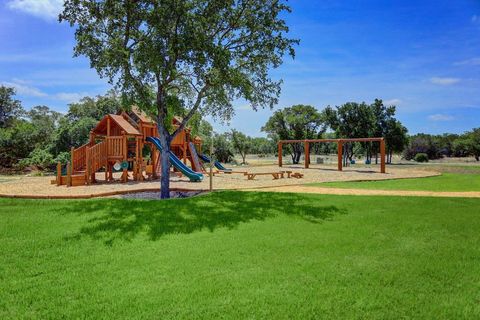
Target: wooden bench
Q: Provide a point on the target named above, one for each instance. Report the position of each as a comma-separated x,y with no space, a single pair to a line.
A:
275,175
297,175
230,172
289,173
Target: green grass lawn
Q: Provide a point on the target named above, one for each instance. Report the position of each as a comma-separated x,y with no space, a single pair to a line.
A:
241,255
444,182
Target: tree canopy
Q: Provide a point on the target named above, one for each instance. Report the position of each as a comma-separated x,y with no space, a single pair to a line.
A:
362,120
297,122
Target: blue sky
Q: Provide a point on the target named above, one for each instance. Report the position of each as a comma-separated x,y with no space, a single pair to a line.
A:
423,56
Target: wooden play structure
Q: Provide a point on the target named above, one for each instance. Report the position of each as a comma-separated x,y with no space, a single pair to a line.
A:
339,142
118,142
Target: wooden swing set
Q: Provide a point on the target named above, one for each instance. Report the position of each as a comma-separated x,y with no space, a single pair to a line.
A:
339,142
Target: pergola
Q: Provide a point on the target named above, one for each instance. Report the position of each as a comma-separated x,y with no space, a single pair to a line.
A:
339,143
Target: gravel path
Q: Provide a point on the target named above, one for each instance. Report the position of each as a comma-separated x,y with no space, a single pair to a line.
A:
364,192
41,187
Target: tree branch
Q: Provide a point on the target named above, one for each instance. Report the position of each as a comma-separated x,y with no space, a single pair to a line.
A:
200,96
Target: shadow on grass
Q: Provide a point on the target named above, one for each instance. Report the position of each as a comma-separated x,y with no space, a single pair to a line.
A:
115,219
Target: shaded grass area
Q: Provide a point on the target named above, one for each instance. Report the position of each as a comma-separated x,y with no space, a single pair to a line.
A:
445,182
241,255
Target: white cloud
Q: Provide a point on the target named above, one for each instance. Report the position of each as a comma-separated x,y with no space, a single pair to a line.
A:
22,88
69,96
440,117
444,81
45,9
392,102
469,62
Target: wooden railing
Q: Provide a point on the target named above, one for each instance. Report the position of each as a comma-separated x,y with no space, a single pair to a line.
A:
79,157
116,147
97,157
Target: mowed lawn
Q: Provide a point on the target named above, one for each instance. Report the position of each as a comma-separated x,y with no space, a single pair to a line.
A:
241,255
446,182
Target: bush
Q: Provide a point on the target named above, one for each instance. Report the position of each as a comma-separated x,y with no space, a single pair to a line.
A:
40,158
421,157
63,157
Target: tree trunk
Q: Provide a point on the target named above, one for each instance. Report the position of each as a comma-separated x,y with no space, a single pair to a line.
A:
243,157
165,140
165,160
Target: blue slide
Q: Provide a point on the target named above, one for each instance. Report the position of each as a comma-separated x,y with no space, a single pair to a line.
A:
177,163
216,163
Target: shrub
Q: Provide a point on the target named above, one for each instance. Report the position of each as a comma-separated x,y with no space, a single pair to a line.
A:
40,158
63,157
421,157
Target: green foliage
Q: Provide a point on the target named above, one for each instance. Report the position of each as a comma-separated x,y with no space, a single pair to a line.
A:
297,122
438,146
94,107
10,108
423,143
241,143
223,148
239,255
16,142
360,120
263,146
421,157
39,158
63,157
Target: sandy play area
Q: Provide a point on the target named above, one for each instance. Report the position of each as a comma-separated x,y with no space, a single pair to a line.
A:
25,186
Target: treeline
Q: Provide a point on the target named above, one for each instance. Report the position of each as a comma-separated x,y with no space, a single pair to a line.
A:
445,145
40,137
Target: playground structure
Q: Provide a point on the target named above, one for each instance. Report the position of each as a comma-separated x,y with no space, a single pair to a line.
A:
118,142
339,142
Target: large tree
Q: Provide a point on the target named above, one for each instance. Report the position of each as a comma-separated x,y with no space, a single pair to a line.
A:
295,123
205,52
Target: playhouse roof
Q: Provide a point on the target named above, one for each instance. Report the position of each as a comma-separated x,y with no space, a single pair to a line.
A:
141,115
117,120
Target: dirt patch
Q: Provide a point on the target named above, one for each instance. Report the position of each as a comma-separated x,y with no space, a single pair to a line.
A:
363,192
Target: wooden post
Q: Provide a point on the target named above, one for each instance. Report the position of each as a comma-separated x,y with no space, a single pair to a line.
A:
210,174
69,175
184,147
125,156
340,155
87,166
280,154
382,156
72,160
108,127
59,173
106,171
307,154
